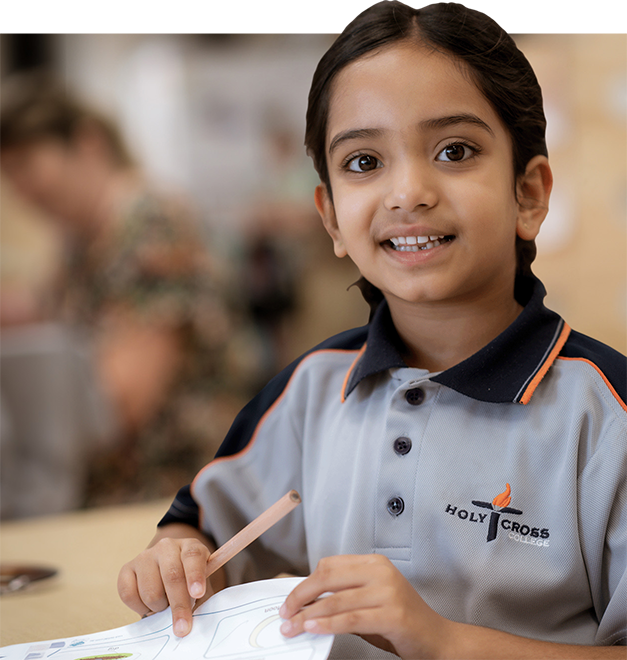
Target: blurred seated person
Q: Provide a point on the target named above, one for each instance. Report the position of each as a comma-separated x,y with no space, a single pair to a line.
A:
137,280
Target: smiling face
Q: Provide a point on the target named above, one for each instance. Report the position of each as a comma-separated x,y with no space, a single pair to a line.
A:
421,173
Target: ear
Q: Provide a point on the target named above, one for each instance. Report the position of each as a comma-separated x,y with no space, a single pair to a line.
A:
325,207
533,190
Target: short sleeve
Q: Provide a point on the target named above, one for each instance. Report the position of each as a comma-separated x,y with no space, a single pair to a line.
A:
603,531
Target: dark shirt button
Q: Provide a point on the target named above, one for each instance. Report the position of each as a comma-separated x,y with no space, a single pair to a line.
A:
396,506
402,446
415,397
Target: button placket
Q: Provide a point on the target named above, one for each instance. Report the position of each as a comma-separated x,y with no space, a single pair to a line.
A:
404,428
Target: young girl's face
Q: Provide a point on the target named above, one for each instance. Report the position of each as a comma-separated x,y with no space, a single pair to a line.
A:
422,179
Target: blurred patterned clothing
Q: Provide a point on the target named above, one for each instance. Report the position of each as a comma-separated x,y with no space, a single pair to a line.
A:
156,267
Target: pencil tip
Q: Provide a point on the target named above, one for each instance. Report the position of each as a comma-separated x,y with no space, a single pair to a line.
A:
295,497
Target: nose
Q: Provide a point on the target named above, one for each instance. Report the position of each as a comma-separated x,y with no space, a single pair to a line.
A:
412,184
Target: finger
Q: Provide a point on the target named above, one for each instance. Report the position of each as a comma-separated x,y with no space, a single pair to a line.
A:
150,585
308,590
209,591
358,622
177,594
368,624
345,601
129,592
342,601
194,557
331,574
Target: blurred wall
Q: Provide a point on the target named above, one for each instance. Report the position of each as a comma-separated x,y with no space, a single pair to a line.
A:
29,246
203,112
582,248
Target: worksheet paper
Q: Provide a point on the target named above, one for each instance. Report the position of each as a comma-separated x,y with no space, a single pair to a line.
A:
238,623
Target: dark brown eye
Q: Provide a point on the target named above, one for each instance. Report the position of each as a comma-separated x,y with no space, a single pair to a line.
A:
363,163
456,152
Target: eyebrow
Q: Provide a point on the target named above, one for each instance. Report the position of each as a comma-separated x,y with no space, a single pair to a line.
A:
453,120
427,124
353,134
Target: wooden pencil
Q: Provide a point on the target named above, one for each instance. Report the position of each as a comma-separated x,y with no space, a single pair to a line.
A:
253,531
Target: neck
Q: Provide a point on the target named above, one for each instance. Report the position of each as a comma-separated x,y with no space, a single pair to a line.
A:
439,336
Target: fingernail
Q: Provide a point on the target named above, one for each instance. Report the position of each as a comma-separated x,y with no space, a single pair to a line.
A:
286,627
282,611
196,590
181,628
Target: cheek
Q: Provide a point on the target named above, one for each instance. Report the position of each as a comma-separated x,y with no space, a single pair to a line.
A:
355,209
489,207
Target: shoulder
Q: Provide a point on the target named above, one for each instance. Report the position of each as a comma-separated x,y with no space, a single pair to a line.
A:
609,364
343,344
333,354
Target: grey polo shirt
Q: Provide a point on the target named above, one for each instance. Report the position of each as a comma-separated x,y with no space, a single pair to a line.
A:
497,487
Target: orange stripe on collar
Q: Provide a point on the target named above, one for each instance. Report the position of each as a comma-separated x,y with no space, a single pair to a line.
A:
350,370
531,388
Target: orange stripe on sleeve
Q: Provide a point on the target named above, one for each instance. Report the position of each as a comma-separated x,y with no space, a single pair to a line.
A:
262,419
622,404
535,381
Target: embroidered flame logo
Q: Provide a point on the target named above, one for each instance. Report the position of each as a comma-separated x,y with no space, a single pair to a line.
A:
503,499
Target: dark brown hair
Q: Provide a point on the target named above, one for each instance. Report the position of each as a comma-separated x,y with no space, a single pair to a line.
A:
498,68
36,106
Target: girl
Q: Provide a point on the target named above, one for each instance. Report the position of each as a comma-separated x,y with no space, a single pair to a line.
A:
448,454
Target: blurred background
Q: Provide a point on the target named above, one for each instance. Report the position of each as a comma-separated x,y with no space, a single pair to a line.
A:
109,396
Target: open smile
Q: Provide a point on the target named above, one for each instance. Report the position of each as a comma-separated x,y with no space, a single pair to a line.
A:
415,243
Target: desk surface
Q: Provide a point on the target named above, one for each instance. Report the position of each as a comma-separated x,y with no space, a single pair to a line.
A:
88,548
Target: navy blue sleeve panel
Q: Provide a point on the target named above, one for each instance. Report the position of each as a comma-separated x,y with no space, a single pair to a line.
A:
184,508
611,363
245,424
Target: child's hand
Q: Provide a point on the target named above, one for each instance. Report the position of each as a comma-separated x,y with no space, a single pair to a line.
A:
172,572
369,597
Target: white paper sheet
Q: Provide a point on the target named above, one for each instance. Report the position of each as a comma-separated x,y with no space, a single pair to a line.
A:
239,623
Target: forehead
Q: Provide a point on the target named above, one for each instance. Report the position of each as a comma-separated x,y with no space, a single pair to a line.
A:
404,84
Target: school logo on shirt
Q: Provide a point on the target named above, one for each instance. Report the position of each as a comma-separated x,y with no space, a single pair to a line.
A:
500,512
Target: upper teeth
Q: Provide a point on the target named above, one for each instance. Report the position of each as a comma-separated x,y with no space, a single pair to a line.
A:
425,241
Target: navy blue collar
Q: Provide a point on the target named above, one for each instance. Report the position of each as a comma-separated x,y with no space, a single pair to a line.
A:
506,370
